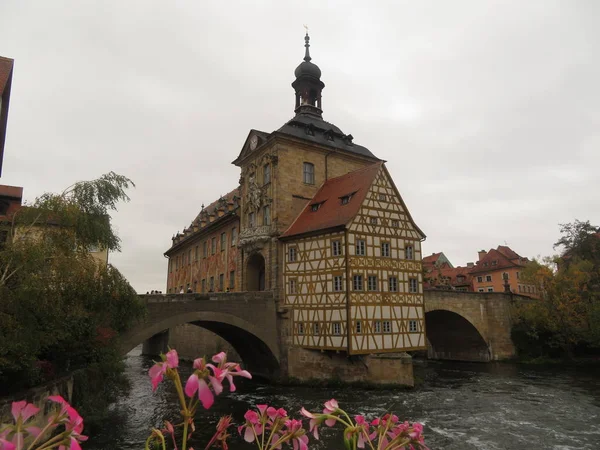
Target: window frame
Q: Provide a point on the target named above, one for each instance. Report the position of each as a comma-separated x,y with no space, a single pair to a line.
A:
339,278
388,251
266,215
213,246
231,280
292,250
292,286
336,247
386,326
308,173
221,282
357,280
409,252
488,278
223,241
372,282
411,328
362,247
411,289
266,174
336,329
233,236
377,326
395,284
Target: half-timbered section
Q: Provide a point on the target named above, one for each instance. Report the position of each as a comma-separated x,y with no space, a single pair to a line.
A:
355,249
204,257
386,284
315,289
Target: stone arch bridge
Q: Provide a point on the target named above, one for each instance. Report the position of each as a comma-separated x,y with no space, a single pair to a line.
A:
459,326
470,326
247,320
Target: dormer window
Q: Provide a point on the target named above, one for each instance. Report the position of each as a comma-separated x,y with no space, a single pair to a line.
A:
310,129
328,135
346,198
495,262
315,206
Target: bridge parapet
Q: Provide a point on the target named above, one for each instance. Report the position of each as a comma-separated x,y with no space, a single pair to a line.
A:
212,296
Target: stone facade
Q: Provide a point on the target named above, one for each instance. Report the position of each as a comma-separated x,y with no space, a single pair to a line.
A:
192,342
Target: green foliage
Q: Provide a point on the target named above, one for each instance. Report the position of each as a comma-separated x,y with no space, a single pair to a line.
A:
566,319
60,309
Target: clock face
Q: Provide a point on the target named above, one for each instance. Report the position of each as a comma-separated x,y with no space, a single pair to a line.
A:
253,142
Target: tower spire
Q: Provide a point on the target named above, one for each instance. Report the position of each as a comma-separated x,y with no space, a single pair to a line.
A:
308,84
307,57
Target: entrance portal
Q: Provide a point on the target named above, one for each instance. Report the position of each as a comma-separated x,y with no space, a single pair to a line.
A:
255,273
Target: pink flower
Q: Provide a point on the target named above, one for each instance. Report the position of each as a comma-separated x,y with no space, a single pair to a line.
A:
23,411
158,370
72,420
331,406
195,384
172,359
313,423
5,445
296,434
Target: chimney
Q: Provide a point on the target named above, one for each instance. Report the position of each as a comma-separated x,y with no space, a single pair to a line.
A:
482,253
470,265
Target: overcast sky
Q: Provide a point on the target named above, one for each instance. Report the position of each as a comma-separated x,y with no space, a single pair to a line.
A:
488,113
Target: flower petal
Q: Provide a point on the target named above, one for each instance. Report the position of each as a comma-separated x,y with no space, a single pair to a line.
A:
5,445
249,434
191,385
205,395
220,357
16,409
172,359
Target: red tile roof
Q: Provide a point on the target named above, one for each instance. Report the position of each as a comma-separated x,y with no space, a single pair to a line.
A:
431,259
501,258
332,213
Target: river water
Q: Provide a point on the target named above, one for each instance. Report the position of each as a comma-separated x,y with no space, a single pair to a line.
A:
462,406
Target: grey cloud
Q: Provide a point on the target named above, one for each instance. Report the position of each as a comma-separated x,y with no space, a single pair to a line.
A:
487,112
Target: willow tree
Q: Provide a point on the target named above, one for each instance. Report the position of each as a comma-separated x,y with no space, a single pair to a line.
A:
60,309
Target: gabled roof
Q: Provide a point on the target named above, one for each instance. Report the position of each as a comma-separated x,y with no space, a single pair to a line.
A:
6,70
332,213
262,138
431,259
497,259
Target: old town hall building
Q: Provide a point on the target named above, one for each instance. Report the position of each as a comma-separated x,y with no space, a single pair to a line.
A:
318,220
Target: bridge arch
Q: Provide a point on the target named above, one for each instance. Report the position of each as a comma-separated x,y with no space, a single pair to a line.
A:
253,343
451,335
